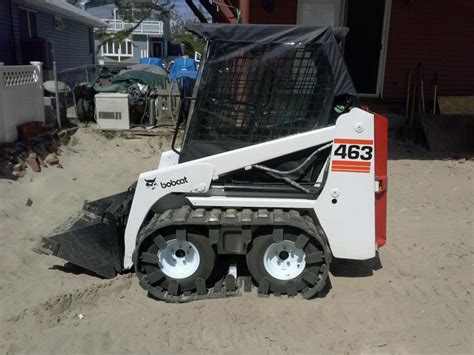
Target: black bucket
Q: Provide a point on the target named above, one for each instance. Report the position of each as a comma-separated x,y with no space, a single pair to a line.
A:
93,238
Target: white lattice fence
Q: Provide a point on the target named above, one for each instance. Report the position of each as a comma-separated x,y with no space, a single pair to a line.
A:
21,98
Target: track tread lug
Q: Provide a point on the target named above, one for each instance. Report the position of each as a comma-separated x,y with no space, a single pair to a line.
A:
160,241
278,216
291,290
157,292
149,258
218,286
294,214
201,286
247,284
301,241
264,286
214,216
246,234
246,215
309,277
277,235
143,283
198,213
307,293
262,213
230,284
314,258
181,214
214,234
173,287
165,216
230,213
181,234
154,277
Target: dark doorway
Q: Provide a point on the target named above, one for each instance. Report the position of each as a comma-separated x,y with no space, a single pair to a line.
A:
363,45
156,49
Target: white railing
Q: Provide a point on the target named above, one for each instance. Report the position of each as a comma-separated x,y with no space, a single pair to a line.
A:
21,98
146,27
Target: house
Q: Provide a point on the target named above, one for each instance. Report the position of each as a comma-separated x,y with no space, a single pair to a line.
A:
46,30
387,38
150,39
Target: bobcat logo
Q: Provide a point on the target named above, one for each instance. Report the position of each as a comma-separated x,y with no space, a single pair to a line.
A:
151,183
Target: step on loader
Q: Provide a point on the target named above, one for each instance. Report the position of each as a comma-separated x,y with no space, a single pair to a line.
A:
279,170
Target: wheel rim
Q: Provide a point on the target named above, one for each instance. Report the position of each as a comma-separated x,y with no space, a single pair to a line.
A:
283,260
179,260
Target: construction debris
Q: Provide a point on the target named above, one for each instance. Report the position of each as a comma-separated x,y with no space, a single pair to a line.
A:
35,150
18,167
52,159
33,162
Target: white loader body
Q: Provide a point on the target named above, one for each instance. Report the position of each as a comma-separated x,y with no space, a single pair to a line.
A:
345,208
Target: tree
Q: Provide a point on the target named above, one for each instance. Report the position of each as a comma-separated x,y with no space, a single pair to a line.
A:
191,43
135,12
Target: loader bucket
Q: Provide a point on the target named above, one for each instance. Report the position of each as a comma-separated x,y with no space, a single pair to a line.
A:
92,238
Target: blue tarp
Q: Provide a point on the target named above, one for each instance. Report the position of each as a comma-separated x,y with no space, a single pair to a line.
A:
183,67
154,61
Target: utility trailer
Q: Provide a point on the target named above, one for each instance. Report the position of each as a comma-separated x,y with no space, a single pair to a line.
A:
279,171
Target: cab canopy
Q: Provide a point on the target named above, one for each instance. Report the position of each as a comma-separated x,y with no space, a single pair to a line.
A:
262,82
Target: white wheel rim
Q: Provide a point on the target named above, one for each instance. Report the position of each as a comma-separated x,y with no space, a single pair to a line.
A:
179,260
283,260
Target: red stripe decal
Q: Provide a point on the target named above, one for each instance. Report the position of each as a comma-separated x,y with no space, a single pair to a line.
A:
349,168
353,141
351,171
354,163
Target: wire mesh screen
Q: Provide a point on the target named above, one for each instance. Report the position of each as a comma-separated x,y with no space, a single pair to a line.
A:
254,93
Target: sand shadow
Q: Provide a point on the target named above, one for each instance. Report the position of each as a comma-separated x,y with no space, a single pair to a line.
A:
355,268
75,270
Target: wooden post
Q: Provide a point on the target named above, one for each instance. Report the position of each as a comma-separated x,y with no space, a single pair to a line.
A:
407,106
245,11
152,112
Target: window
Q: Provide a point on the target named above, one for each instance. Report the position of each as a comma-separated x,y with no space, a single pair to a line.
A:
58,23
28,23
123,49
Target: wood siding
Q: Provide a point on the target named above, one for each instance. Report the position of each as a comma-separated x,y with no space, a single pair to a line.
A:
284,12
439,33
71,44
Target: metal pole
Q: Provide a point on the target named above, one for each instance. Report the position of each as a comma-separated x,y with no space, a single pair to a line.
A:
152,112
56,91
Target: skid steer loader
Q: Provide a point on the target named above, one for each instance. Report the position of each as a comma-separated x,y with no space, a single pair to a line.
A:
278,172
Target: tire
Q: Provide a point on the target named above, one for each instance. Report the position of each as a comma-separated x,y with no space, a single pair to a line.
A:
185,275
295,278
84,110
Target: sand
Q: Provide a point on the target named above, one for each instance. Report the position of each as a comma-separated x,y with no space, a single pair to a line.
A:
420,301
